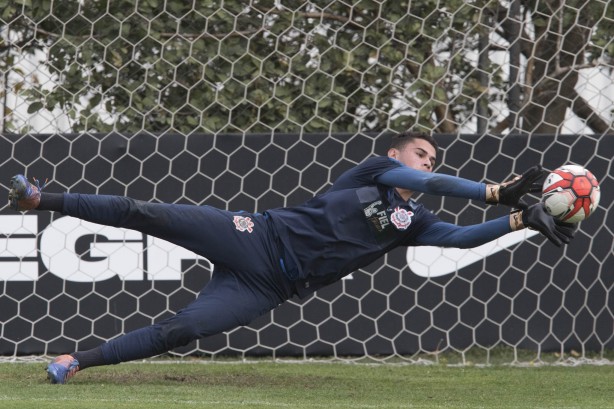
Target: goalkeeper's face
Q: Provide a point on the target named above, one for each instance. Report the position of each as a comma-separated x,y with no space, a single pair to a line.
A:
417,154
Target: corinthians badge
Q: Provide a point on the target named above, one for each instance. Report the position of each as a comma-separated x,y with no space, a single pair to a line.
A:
244,224
401,218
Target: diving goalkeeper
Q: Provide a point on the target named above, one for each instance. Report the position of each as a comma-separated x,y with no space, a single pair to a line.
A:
263,259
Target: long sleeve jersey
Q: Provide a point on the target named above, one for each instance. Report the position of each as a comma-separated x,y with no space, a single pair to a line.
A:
362,217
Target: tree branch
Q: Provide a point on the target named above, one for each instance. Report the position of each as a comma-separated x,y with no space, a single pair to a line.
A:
580,108
501,126
583,110
526,43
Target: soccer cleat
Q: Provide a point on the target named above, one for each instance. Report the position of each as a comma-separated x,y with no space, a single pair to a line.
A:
23,194
62,369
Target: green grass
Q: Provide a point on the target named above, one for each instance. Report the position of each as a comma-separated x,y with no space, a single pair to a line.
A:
309,385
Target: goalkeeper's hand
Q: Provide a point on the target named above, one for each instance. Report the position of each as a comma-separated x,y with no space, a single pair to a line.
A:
510,193
536,217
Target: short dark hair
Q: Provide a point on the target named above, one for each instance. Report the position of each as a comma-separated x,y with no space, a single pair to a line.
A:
399,141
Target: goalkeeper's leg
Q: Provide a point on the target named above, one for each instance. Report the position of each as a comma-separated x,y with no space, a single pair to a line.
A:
207,231
229,300
218,235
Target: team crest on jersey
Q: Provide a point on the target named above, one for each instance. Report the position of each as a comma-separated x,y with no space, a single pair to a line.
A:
244,223
401,218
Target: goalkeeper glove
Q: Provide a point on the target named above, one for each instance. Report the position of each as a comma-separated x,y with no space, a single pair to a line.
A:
536,217
510,193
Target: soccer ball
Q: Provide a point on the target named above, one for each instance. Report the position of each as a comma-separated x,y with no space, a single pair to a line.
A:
571,193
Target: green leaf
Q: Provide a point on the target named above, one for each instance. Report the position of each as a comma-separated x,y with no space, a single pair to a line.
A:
35,107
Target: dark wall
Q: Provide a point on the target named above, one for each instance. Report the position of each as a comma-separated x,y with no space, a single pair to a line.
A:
530,294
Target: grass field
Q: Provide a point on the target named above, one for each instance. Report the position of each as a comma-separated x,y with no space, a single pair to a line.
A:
309,385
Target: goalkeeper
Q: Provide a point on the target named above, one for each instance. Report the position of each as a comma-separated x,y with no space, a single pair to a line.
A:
262,259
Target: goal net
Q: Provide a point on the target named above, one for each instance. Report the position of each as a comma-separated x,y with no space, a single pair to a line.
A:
260,105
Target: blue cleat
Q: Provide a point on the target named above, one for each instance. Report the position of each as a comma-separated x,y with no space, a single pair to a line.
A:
24,195
62,368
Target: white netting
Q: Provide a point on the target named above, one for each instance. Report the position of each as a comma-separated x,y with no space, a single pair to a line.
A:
290,94
307,66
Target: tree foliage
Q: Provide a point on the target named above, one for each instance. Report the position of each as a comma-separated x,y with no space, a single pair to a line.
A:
313,66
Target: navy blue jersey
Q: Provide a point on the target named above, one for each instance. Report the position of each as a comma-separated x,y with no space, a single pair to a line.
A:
362,217
351,225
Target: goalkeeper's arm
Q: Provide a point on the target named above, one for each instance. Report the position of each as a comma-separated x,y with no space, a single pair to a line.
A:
508,193
450,235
